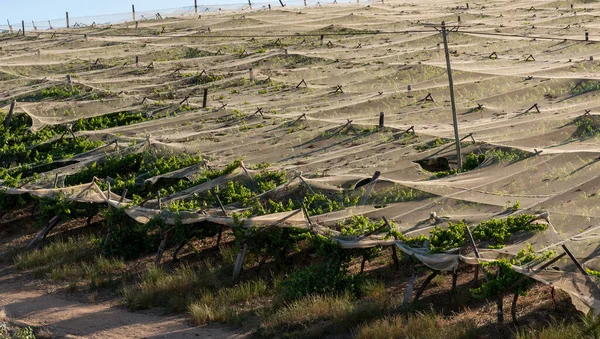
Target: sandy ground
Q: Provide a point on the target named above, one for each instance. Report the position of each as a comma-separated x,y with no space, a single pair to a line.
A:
28,303
71,319
76,320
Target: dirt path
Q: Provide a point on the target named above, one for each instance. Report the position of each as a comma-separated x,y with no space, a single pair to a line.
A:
71,319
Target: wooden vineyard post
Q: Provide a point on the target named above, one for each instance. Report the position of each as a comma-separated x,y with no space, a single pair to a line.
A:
23,26
195,6
133,12
10,114
161,248
9,26
409,290
239,261
381,119
424,286
394,252
67,19
587,36
123,195
42,235
204,98
69,82
454,278
476,251
444,32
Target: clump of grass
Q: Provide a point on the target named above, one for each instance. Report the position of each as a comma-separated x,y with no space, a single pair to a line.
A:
341,312
99,271
221,306
425,325
555,330
72,250
160,288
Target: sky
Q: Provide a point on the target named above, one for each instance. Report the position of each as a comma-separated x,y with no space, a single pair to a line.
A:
41,10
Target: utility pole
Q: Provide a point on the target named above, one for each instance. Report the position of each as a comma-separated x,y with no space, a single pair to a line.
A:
445,32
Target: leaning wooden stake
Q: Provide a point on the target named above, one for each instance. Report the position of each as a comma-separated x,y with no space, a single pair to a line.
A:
10,114
42,235
532,107
237,269
302,82
177,250
409,290
424,286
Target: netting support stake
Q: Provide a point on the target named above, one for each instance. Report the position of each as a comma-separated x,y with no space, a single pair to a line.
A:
221,205
409,290
444,32
204,98
67,18
161,248
302,82
394,251
10,114
42,235
532,107
577,263
305,183
259,111
123,195
239,262
424,285
476,251
186,100
381,119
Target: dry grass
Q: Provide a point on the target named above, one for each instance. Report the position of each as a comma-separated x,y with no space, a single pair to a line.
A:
423,325
160,288
315,315
99,272
55,253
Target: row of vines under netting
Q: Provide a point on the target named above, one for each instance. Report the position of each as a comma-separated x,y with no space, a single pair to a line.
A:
243,194
165,189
